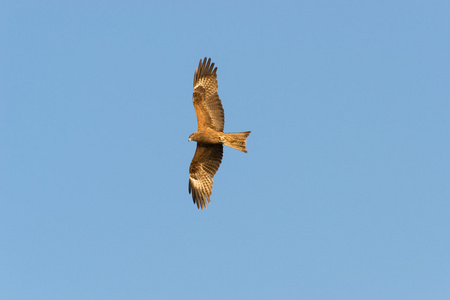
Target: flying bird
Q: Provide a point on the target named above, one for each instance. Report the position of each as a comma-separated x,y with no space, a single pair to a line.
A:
210,137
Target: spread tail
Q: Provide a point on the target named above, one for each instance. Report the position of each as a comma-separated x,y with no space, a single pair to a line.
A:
236,140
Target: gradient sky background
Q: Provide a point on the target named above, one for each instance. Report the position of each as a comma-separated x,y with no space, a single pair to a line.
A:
344,193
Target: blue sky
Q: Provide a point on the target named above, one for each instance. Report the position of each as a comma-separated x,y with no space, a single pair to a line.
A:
344,193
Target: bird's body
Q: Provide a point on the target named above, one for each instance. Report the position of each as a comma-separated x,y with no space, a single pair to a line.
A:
206,135
209,136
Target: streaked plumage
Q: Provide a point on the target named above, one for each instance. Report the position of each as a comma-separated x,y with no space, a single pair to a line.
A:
209,136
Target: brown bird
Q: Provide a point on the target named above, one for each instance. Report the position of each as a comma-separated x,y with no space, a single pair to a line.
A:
210,137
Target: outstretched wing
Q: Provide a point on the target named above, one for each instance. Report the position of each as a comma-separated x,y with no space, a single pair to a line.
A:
204,165
206,100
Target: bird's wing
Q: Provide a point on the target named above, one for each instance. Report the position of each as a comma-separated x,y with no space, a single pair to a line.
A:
204,165
206,100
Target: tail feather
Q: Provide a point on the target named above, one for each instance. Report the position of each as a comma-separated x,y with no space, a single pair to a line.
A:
236,140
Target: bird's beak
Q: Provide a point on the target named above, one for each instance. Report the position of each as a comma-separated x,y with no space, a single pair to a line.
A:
189,139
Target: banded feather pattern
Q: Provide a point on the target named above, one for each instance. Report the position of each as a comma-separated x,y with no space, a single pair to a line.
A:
204,165
206,99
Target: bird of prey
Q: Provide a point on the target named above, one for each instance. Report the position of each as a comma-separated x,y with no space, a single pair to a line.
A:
210,137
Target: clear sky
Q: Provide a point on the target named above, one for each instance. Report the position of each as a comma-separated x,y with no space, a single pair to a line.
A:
344,192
